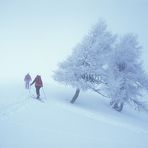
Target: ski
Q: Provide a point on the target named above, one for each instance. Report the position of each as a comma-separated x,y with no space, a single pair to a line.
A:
39,99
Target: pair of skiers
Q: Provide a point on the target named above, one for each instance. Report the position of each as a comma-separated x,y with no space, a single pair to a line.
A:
38,83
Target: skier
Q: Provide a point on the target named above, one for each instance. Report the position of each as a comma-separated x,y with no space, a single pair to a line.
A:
38,84
27,80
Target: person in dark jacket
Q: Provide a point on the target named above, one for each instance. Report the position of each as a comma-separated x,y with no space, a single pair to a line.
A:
38,84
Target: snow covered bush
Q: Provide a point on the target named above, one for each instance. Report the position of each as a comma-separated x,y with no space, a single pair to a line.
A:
84,69
126,78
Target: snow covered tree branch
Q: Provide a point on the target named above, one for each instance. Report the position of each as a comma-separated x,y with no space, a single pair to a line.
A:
126,79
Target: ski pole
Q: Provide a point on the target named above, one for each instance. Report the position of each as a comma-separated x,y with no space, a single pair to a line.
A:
30,93
44,93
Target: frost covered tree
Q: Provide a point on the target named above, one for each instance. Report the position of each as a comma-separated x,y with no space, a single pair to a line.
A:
103,62
126,79
85,68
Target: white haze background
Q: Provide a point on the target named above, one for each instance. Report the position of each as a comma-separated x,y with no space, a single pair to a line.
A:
35,35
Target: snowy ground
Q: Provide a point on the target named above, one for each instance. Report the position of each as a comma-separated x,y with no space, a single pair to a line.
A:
89,123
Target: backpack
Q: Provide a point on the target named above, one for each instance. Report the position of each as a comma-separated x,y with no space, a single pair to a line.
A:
38,81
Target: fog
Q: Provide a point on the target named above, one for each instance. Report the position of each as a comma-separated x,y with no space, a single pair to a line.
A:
35,35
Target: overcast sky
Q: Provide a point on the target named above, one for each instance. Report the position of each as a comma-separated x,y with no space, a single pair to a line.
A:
35,35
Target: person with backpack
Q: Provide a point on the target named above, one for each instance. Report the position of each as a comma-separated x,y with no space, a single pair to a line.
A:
27,80
38,84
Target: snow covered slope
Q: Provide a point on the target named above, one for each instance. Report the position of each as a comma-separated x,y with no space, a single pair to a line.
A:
89,123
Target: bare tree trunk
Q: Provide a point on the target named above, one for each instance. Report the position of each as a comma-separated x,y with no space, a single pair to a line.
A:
118,106
75,96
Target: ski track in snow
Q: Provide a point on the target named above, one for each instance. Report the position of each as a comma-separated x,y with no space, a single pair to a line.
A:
14,107
12,115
